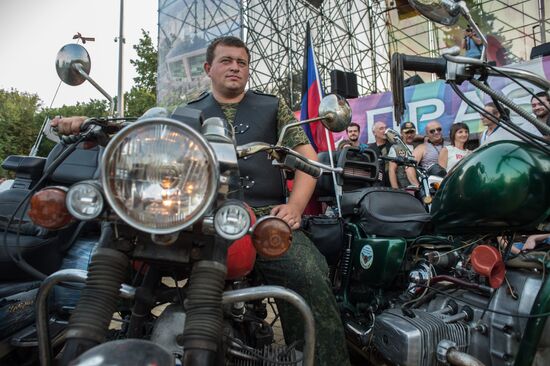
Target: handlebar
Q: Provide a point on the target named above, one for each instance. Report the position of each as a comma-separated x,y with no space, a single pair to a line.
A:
96,129
436,65
293,162
400,160
287,158
399,63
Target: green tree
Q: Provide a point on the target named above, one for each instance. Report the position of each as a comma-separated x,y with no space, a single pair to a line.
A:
143,94
94,107
17,125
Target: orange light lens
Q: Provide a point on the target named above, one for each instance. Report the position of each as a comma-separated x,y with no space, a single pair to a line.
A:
48,209
436,185
271,237
427,200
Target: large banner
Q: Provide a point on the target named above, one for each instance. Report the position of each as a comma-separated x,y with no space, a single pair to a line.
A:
186,27
437,101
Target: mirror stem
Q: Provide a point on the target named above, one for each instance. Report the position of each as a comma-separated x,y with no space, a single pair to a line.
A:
294,124
82,73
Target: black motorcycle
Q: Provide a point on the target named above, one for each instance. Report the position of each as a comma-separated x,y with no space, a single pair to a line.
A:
168,202
29,253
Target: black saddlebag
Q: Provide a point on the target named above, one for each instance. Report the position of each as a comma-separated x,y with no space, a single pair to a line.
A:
327,233
385,212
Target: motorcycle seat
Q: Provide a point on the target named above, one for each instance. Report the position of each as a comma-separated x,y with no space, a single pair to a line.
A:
385,212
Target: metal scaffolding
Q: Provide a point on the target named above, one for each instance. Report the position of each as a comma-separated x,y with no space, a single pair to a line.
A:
349,36
356,36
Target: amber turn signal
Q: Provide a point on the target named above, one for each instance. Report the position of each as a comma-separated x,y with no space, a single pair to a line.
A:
48,209
271,237
427,200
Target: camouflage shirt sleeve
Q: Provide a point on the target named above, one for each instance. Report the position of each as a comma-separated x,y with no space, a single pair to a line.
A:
294,136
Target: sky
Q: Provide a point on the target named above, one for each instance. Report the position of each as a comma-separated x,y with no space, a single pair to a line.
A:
33,31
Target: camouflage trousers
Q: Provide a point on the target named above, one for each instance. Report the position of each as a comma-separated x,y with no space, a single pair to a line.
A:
304,270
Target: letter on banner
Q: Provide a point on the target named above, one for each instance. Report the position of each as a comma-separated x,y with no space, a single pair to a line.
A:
521,98
461,114
415,106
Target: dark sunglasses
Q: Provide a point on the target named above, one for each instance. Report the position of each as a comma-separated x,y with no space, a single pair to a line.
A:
432,131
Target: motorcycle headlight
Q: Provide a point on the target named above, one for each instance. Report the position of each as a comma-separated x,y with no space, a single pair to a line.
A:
84,201
159,175
232,220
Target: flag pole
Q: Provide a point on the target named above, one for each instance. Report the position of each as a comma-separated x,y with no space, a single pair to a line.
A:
327,136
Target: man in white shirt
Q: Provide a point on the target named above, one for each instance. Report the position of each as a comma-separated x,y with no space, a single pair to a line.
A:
495,132
540,105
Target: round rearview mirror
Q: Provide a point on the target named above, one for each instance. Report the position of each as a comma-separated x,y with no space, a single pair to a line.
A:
444,12
68,57
336,112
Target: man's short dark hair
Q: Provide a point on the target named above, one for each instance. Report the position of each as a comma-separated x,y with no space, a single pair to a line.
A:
541,94
353,124
230,41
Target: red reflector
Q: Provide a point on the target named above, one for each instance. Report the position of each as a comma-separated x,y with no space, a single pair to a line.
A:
241,255
48,209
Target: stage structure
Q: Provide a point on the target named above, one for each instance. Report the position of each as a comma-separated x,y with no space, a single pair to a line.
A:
356,36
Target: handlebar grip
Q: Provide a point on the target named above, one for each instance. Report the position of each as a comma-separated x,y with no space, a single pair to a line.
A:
437,65
293,162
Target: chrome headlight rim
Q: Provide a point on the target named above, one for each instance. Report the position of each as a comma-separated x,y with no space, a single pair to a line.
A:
77,215
229,204
213,182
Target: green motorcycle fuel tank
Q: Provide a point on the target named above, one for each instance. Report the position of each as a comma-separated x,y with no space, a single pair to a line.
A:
503,186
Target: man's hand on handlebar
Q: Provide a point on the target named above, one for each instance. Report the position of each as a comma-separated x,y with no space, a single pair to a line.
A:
68,125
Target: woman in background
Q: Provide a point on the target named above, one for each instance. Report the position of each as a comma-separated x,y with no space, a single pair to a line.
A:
450,155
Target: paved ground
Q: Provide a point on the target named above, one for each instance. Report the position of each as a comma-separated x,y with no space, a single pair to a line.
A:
271,314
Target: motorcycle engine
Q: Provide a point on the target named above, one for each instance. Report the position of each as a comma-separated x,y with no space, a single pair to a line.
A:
414,336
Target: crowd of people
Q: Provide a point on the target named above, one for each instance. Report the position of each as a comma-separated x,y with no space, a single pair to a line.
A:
433,152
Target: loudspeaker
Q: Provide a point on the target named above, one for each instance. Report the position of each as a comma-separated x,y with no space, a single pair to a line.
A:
413,80
344,83
404,10
316,3
540,50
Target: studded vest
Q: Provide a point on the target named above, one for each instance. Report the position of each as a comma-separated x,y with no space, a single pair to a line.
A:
255,120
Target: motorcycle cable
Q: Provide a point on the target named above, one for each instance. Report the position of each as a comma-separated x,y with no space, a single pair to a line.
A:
513,79
542,315
504,112
514,129
16,254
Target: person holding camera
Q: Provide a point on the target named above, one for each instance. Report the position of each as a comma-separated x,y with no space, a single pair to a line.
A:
472,43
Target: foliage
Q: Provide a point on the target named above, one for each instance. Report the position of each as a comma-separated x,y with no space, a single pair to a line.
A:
17,126
146,64
95,107
139,100
22,114
143,94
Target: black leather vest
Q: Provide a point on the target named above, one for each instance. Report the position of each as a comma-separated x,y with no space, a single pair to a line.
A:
255,120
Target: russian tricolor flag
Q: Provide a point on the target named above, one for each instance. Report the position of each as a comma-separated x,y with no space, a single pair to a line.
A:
312,92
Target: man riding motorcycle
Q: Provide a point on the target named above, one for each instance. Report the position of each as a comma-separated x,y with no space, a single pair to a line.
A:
302,269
